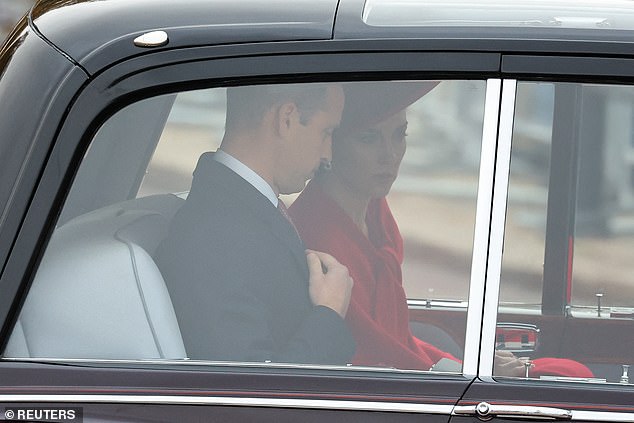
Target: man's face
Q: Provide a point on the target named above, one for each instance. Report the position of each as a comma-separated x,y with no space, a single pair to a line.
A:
310,143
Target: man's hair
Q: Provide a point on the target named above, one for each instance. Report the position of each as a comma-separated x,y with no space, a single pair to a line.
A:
247,105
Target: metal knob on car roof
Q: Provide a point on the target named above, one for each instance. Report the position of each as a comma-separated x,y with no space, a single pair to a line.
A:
152,39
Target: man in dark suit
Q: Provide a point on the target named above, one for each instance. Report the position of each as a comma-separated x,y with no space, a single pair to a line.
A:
242,284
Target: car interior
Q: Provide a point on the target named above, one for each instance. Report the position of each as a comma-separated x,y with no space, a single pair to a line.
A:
98,293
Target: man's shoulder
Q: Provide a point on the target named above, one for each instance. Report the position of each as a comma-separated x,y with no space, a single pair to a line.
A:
216,185
227,215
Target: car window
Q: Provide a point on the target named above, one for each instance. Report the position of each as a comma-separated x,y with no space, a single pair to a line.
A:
528,195
437,180
557,14
167,250
566,300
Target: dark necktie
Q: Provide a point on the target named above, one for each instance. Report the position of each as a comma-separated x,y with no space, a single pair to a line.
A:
282,208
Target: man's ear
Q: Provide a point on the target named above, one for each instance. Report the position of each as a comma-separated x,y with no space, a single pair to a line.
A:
287,118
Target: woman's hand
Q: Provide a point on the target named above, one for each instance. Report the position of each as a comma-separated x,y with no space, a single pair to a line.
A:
506,364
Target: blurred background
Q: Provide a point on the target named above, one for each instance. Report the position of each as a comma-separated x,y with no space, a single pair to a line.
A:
10,12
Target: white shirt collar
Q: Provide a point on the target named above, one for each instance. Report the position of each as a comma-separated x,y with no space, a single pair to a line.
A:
247,174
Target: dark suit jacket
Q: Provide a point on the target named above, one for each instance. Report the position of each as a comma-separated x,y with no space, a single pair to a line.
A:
237,274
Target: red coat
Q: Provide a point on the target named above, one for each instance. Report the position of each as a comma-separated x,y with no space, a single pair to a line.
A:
378,314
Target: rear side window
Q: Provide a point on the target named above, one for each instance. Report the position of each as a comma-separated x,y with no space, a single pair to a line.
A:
167,249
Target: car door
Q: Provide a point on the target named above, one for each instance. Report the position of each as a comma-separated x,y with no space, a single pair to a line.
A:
122,164
559,262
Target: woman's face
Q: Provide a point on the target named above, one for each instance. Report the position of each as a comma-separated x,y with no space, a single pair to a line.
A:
367,161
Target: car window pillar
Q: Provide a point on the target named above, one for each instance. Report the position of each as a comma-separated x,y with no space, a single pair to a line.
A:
562,183
496,234
482,226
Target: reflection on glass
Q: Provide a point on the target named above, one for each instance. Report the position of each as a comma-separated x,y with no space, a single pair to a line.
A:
567,256
343,211
433,198
432,201
523,258
604,224
195,125
394,202
559,14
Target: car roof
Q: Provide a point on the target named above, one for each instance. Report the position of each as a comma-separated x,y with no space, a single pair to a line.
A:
84,29
97,33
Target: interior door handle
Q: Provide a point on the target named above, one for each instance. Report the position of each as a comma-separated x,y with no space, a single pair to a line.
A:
485,411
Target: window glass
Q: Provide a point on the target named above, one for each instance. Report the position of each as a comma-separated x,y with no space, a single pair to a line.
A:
559,14
168,249
566,266
434,196
528,194
195,125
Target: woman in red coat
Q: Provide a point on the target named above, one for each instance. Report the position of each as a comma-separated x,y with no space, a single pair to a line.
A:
343,211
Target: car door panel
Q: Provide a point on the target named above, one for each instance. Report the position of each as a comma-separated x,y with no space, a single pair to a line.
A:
204,389
576,402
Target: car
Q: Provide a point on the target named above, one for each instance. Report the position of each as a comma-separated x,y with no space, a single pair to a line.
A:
515,201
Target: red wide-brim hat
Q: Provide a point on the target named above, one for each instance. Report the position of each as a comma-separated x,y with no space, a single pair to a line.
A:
368,103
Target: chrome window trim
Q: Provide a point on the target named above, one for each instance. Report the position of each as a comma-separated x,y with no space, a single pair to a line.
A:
498,219
402,407
485,411
481,230
345,405
211,363
416,304
602,416
229,365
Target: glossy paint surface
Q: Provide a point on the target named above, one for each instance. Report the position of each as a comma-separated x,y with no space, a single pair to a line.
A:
97,33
